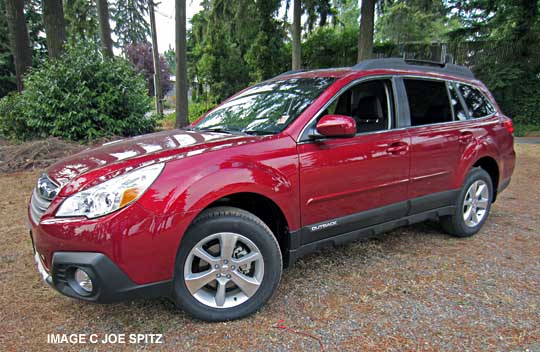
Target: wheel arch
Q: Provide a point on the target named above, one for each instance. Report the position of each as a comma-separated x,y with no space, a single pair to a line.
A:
490,165
260,205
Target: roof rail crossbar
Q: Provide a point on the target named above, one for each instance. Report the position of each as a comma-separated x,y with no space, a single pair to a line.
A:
417,65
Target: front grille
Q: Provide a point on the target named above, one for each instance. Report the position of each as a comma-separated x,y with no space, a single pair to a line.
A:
42,195
38,205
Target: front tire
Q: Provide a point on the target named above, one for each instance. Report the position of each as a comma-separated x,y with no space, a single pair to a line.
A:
473,205
228,266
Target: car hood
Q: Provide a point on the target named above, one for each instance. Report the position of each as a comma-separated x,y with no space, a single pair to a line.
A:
113,158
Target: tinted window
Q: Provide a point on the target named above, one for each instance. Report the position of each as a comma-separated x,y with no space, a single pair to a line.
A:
459,111
477,104
368,103
428,101
267,107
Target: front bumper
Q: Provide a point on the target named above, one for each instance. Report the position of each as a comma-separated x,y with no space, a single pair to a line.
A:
110,284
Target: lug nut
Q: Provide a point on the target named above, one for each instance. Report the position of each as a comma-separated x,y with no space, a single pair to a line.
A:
233,267
225,261
218,275
216,266
228,276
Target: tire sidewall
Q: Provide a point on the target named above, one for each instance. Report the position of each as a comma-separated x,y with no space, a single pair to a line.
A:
473,176
263,239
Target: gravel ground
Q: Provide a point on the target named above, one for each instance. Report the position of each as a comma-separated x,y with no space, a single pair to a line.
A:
412,289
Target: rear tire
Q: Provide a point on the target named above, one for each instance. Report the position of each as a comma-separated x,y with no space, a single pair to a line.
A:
228,265
472,207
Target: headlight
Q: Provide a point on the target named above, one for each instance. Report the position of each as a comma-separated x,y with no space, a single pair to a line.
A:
111,195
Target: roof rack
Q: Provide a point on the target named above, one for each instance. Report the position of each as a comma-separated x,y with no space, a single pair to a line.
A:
417,65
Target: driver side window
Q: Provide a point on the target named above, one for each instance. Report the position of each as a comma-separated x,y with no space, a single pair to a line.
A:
368,103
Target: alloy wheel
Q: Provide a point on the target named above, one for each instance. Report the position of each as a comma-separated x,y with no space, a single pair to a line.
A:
224,270
476,203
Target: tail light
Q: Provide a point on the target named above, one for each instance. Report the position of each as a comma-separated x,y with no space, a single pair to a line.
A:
509,126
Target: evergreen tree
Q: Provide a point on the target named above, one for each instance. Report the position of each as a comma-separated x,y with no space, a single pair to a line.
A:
182,111
365,36
81,20
18,39
55,26
104,27
7,70
131,26
297,35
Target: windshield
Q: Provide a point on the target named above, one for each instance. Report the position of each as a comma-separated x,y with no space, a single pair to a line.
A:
266,108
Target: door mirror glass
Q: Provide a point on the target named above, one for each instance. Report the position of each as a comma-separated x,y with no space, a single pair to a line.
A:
336,126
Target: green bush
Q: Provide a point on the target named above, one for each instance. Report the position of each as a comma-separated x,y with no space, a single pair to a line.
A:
196,110
80,96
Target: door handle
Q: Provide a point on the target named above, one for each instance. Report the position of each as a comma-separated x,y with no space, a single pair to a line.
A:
397,148
465,136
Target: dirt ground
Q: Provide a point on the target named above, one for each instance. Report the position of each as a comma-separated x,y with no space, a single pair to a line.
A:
412,289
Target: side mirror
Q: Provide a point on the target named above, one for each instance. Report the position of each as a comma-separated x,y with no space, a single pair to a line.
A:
335,126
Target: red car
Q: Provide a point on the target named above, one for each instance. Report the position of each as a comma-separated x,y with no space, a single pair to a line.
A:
210,215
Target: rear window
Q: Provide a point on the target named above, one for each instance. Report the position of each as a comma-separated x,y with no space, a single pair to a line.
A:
428,101
477,103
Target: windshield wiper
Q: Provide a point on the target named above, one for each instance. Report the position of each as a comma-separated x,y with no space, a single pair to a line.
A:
232,130
219,130
258,132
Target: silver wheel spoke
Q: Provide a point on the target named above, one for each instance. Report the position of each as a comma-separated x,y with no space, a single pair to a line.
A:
473,189
480,189
204,255
251,257
482,204
227,243
468,214
467,202
474,217
247,284
221,293
195,281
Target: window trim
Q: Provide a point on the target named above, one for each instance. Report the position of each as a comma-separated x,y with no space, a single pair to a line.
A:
393,107
454,81
401,104
469,114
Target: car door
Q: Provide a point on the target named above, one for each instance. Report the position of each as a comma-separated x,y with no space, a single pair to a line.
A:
437,142
349,183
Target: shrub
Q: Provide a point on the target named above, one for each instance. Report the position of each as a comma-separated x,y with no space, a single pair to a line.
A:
196,110
80,96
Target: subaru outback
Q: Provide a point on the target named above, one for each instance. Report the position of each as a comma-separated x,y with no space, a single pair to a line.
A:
210,215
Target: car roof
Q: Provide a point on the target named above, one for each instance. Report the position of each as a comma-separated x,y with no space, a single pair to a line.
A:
395,65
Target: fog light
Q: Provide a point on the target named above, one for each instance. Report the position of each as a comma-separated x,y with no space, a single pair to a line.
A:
83,280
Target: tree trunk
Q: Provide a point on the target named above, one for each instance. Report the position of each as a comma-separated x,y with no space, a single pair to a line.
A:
155,53
104,28
18,39
181,65
296,35
365,36
55,26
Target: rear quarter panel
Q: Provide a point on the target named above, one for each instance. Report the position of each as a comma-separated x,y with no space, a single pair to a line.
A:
491,139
